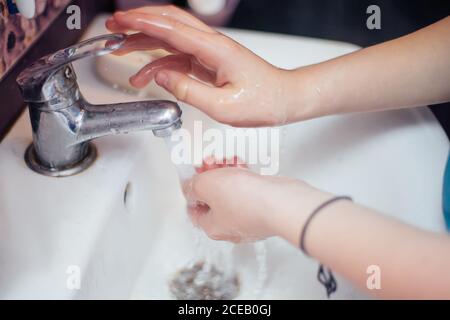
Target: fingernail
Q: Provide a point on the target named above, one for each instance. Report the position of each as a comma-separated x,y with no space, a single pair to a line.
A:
135,82
162,78
119,14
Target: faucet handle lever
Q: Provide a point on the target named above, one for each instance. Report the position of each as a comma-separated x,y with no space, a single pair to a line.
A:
93,47
34,77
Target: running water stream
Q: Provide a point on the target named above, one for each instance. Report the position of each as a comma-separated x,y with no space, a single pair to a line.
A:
211,273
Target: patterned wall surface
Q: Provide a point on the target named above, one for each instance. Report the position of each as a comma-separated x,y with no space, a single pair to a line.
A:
18,33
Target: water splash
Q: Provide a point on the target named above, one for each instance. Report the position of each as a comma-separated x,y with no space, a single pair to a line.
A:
185,171
261,265
211,273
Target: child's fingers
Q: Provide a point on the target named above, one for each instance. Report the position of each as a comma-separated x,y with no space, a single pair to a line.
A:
167,11
176,14
207,222
202,45
112,25
147,73
196,211
181,63
209,225
211,162
190,90
140,41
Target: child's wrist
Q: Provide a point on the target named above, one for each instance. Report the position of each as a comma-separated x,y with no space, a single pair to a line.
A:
293,230
303,96
287,220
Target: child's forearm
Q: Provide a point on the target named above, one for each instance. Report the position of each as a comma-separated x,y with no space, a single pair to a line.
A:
349,238
410,71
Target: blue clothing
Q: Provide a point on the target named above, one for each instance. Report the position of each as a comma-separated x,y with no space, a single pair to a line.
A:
446,195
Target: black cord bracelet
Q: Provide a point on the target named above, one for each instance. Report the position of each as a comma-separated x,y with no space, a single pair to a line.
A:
324,275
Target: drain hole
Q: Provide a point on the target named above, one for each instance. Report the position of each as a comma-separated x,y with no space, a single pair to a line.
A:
203,281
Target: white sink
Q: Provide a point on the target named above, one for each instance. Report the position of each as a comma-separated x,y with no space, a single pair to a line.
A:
122,223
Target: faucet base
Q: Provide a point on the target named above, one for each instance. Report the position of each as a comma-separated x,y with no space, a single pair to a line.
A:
34,164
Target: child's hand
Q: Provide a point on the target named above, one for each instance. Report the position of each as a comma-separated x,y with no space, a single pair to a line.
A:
206,69
235,204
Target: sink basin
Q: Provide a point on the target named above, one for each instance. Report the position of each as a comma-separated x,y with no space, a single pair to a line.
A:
120,229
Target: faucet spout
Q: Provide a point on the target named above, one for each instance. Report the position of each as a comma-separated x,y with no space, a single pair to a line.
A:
160,116
61,137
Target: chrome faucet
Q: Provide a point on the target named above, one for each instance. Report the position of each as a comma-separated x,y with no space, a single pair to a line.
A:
64,123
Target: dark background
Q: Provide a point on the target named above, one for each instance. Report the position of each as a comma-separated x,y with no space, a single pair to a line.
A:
343,20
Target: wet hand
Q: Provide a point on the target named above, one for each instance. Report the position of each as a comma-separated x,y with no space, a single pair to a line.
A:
205,68
231,203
